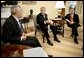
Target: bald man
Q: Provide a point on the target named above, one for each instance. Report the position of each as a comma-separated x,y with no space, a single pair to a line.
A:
12,30
41,21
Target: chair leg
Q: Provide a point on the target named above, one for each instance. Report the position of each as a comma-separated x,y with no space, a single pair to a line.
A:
43,38
35,33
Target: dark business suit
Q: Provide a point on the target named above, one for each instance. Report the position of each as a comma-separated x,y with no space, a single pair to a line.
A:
11,32
44,27
73,26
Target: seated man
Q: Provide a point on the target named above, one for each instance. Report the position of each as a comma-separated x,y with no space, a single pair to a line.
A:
73,22
42,22
12,31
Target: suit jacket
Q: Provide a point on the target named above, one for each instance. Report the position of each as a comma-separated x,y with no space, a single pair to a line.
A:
11,29
75,19
40,21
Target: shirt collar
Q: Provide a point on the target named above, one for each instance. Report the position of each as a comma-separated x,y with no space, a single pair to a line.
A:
16,18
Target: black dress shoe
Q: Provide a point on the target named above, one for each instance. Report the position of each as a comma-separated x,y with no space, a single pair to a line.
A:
57,40
50,43
76,41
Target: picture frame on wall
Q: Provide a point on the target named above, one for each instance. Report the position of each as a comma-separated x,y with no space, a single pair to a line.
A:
29,2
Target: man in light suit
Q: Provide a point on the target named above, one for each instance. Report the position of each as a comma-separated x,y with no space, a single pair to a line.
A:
12,30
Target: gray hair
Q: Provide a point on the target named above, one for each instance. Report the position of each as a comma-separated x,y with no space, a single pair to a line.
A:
72,7
14,9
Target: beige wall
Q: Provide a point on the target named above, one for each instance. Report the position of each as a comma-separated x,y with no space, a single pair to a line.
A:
50,8
79,11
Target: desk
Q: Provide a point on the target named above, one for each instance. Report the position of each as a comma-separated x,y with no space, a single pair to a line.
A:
60,24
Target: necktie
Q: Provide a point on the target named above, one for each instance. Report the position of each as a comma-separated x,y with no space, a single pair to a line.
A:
43,15
20,26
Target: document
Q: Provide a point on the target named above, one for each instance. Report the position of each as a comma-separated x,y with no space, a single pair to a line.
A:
68,20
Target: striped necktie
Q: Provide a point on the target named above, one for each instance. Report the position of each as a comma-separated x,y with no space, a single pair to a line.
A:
20,25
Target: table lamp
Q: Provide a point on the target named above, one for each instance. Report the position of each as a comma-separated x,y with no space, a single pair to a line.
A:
59,5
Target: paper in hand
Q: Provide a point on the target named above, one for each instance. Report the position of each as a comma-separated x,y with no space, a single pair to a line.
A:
68,20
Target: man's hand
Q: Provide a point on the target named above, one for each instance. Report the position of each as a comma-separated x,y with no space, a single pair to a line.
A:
45,22
23,37
51,22
48,21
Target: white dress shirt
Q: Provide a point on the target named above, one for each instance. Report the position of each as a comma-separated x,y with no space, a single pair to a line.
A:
18,24
17,21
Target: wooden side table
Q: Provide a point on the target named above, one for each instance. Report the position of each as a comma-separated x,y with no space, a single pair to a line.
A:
59,23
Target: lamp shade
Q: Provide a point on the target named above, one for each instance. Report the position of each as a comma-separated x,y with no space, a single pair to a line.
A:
72,4
2,1
59,4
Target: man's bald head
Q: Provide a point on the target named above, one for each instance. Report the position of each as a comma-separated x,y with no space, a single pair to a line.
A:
17,11
43,9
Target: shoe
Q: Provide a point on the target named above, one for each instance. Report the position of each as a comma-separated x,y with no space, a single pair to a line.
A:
76,41
57,40
50,43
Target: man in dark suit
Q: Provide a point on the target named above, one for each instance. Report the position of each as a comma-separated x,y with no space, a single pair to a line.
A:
12,30
73,23
42,22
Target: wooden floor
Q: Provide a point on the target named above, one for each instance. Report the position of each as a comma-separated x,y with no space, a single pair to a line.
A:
67,47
